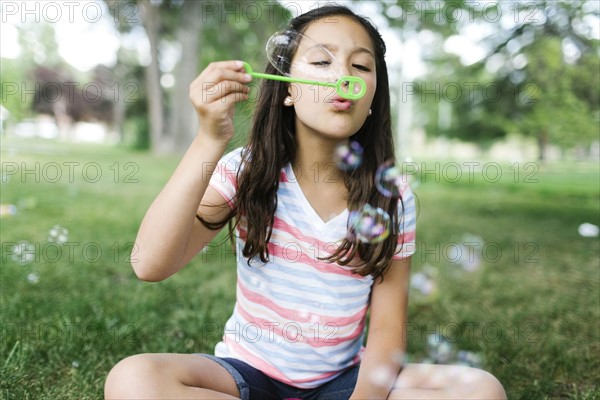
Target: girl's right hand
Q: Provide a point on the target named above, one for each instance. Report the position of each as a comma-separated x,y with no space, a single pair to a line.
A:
214,94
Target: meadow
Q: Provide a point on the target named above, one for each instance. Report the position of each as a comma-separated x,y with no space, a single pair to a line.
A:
527,302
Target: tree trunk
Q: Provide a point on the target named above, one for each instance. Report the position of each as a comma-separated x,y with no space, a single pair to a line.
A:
151,24
542,144
184,122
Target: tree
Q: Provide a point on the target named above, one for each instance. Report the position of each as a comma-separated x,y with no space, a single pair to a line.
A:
540,77
204,32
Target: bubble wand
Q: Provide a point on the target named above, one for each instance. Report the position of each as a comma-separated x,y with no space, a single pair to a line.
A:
351,81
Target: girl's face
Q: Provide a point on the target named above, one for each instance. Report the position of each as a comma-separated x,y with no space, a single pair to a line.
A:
320,110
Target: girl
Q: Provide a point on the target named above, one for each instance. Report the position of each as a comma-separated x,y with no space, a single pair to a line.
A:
304,285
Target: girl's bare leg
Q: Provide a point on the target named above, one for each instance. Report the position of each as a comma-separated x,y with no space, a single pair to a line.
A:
429,381
169,376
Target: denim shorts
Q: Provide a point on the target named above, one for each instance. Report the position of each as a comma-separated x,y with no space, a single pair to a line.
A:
254,385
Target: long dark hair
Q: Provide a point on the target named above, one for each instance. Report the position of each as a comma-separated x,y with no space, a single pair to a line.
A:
272,145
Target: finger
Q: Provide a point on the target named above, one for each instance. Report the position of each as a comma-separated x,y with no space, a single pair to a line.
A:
235,65
218,91
235,98
220,95
224,70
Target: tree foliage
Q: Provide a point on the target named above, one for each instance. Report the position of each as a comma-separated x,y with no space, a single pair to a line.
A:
202,32
540,77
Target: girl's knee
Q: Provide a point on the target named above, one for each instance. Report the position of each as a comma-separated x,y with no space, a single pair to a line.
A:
129,375
490,386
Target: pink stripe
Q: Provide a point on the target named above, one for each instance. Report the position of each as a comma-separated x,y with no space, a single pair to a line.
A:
254,360
321,266
229,175
295,315
281,225
225,195
407,237
271,371
283,177
311,340
291,256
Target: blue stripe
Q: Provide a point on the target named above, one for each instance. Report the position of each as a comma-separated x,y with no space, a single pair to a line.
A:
292,351
301,270
276,284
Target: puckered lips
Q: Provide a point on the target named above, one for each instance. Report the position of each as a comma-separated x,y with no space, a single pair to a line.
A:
340,104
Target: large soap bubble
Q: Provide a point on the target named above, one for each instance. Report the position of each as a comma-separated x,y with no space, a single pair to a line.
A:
300,59
370,224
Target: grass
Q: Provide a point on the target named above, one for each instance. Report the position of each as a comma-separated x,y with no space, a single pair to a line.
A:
531,310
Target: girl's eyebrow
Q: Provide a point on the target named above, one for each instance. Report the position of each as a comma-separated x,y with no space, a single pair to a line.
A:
332,47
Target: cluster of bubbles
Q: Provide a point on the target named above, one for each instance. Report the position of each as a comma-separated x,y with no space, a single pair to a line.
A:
468,253
370,224
424,282
25,252
441,351
58,234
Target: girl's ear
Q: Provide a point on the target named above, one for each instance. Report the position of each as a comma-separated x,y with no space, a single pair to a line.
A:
294,91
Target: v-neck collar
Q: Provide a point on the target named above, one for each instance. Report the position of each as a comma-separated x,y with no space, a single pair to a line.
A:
315,217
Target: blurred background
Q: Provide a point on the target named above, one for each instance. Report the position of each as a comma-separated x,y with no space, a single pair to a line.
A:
496,116
515,80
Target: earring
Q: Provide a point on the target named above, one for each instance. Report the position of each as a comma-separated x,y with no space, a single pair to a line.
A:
370,111
288,101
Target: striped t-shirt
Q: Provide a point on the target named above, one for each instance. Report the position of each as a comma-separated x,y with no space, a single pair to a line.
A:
296,318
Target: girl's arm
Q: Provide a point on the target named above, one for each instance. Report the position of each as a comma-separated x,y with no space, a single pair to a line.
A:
386,342
170,235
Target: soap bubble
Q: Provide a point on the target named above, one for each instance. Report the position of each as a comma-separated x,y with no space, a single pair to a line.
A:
469,359
370,224
471,263
33,278
58,234
24,252
383,376
588,230
440,350
348,156
389,179
295,54
7,210
467,253
423,283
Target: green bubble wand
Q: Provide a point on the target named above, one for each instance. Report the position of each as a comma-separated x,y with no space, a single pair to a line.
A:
349,81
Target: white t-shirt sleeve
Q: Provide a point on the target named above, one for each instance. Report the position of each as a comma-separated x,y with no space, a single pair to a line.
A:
407,224
224,177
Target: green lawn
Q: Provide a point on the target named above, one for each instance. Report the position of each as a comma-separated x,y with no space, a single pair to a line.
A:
531,311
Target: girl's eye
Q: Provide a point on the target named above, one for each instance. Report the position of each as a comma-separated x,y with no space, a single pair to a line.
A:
321,63
361,67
